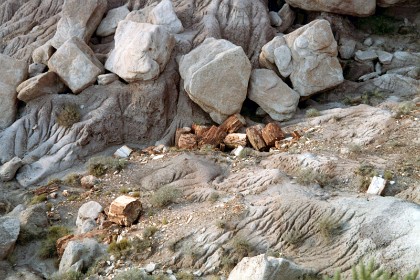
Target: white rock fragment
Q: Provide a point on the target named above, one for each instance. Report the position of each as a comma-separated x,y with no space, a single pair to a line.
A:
376,186
123,152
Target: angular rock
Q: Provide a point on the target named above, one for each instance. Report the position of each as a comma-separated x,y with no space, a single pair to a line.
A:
308,55
384,57
106,79
13,72
272,133
76,65
79,255
272,94
124,210
377,186
187,141
46,83
9,169
359,8
234,140
389,3
78,20
216,75
180,131
33,221
213,137
109,24
233,123
123,152
254,134
9,232
164,14
36,69
287,16
43,53
263,267
346,48
141,51
88,211
366,55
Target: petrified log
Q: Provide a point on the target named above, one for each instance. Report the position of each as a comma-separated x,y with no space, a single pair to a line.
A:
255,137
180,131
234,140
213,137
272,133
199,129
233,123
124,210
187,141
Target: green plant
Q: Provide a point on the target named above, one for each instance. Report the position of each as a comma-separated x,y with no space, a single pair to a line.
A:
48,246
49,206
140,245
355,149
312,112
124,190
184,276
72,180
54,181
135,194
133,273
165,221
366,171
214,197
164,196
405,108
68,275
119,248
328,227
221,224
68,116
38,199
99,166
73,197
241,247
388,175
227,263
149,231
307,177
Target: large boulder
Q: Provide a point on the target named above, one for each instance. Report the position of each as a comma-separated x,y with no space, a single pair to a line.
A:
308,55
141,51
164,14
46,83
216,76
109,23
13,72
124,210
79,20
76,64
263,267
9,232
360,8
80,255
272,94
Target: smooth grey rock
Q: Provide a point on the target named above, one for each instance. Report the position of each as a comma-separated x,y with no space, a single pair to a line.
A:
89,210
109,24
368,42
346,7
9,232
275,19
79,255
366,55
384,57
9,169
346,48
33,220
164,14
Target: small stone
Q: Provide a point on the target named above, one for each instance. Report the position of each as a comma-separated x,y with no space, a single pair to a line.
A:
275,19
366,55
376,186
65,193
384,57
150,267
368,42
106,79
88,181
53,195
35,69
123,152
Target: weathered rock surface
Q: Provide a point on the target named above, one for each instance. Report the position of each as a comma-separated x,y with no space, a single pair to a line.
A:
33,221
106,79
13,72
287,16
263,267
78,21
216,76
36,69
76,65
360,8
80,255
164,14
308,55
141,51
109,24
9,231
272,94
9,169
124,210
46,83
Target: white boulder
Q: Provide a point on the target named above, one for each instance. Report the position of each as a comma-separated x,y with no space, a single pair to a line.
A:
109,24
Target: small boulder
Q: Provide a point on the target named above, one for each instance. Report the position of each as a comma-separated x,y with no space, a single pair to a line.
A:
141,51
272,94
42,84
9,169
88,211
109,23
216,75
13,72
80,255
88,182
76,64
43,53
365,55
263,267
9,232
124,210
164,14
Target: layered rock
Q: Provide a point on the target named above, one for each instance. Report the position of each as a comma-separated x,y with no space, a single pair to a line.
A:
76,65
141,51
13,72
308,55
216,75
46,83
360,8
272,94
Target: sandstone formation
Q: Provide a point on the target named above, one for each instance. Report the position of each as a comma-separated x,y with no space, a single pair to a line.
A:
216,76
360,8
141,51
272,94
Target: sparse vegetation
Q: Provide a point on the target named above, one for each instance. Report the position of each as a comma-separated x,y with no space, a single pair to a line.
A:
72,180
135,194
214,197
124,190
312,112
184,276
119,248
164,196
38,199
355,149
378,24
328,227
99,166
68,116
293,237
149,231
69,275
307,177
366,171
241,247
405,108
48,246
221,224
133,273
388,175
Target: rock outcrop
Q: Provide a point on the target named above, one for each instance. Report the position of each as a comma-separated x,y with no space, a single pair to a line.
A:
33,221
216,76
141,51
8,170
